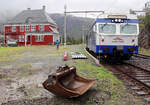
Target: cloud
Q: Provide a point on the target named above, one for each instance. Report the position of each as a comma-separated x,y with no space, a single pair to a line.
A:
10,7
57,5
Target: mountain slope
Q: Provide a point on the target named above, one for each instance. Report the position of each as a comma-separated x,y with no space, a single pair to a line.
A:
75,25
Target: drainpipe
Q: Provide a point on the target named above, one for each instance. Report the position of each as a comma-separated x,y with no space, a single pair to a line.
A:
30,36
25,40
25,36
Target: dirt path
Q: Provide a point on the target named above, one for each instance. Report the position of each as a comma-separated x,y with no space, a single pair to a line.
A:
22,75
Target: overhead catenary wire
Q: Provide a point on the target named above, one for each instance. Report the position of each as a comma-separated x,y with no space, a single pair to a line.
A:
65,19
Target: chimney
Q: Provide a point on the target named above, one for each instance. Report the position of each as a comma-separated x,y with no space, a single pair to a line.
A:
28,8
44,7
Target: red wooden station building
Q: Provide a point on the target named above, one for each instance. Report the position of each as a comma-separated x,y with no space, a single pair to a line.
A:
32,27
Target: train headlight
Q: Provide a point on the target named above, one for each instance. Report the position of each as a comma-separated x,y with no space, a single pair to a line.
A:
117,20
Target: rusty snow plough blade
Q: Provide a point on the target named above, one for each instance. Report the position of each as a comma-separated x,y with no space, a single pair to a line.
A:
67,83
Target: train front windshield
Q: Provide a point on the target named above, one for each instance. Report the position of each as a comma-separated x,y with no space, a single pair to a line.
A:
128,29
123,28
107,28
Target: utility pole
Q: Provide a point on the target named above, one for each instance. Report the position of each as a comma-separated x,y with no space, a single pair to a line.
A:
83,34
65,27
84,26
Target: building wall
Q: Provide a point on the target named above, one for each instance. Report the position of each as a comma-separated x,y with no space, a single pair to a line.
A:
47,39
15,35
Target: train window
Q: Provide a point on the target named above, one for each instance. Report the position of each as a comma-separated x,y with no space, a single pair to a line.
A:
107,28
94,28
128,29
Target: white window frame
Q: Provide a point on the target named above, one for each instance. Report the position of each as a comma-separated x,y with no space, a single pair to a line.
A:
39,38
13,29
27,28
21,28
21,38
41,28
33,28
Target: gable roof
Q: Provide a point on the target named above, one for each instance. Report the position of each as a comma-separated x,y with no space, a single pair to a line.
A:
32,16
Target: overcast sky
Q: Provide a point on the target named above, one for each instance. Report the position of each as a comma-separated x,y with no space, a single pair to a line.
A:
57,6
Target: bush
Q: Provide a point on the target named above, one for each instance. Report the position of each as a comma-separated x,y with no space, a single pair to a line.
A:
69,43
50,43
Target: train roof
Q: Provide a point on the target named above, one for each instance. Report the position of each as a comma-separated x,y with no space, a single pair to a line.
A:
117,15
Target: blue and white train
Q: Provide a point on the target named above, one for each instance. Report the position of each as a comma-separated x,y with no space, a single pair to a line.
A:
114,35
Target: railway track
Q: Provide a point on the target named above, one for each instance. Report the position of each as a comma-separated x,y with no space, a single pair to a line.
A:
137,79
142,56
135,76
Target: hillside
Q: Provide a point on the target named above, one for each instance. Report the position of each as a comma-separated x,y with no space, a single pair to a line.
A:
74,24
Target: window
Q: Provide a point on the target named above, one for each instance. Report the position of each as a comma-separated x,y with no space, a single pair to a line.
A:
41,27
94,28
107,28
40,38
33,28
21,28
27,28
21,38
128,29
13,28
8,37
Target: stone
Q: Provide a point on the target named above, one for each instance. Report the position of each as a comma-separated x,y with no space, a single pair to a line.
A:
147,99
141,93
135,88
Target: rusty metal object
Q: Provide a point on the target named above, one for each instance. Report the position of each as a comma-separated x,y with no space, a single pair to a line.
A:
67,83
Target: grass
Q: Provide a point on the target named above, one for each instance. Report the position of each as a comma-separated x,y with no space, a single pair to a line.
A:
3,76
106,89
8,51
144,51
112,90
107,81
